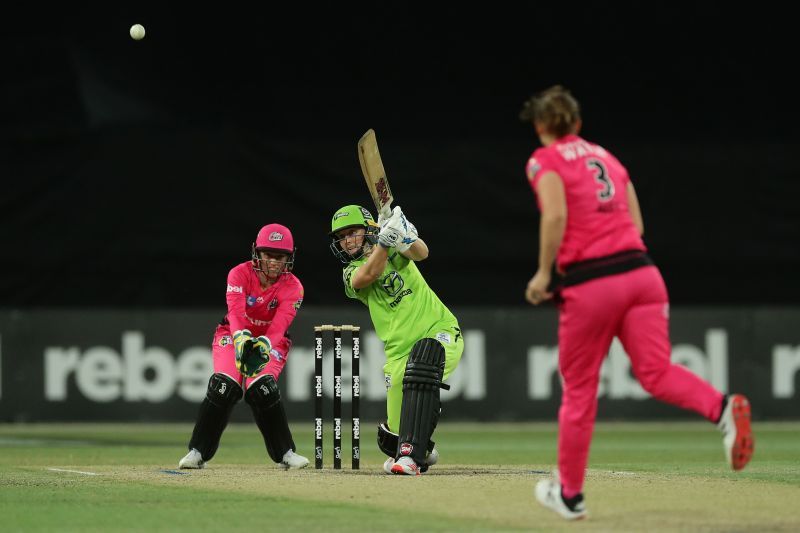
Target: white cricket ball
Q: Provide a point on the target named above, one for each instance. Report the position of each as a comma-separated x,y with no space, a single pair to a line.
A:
137,32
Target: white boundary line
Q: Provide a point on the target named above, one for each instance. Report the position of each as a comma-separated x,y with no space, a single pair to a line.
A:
74,471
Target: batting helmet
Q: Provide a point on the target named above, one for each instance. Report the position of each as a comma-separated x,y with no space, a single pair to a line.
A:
352,216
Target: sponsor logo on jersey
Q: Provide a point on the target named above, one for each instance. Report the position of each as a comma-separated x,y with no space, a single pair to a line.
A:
400,296
251,300
235,288
225,340
443,337
273,304
392,283
533,168
297,304
257,322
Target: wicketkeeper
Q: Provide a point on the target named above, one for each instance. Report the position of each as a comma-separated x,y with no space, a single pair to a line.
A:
250,349
422,339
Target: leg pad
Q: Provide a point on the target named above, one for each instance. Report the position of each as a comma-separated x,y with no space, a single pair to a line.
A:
264,398
419,413
215,410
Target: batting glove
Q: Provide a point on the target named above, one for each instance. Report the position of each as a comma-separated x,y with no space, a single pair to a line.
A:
389,236
399,221
408,239
396,214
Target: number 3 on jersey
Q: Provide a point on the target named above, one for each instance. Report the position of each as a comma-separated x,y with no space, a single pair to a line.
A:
601,176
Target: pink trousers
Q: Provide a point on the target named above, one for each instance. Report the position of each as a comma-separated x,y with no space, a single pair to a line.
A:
634,307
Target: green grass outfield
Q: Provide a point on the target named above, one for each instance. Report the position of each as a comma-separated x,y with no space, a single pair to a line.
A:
642,477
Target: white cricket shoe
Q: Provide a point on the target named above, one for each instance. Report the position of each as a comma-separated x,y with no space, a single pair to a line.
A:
193,459
432,458
293,460
548,493
405,466
737,435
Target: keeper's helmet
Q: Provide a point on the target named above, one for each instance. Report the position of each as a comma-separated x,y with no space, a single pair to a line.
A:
352,216
275,238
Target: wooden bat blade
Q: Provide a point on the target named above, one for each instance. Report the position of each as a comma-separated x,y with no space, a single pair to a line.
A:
374,174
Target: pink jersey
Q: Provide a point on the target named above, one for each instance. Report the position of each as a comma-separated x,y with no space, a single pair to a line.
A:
595,182
267,312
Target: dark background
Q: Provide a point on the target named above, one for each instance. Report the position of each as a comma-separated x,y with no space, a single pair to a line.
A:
135,174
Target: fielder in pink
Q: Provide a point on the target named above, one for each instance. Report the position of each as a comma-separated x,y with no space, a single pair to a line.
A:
606,284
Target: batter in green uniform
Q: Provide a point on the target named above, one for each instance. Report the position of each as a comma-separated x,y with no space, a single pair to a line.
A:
422,339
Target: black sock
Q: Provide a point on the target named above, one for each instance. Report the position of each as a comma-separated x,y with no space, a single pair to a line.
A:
572,502
724,405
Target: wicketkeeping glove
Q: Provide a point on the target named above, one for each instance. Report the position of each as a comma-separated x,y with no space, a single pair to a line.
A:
252,354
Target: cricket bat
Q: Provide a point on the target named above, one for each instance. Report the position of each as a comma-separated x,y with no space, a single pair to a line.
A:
374,174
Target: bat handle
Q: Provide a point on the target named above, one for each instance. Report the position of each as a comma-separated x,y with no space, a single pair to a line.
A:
386,211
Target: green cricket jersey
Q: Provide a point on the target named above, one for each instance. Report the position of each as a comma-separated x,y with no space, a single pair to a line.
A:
403,308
